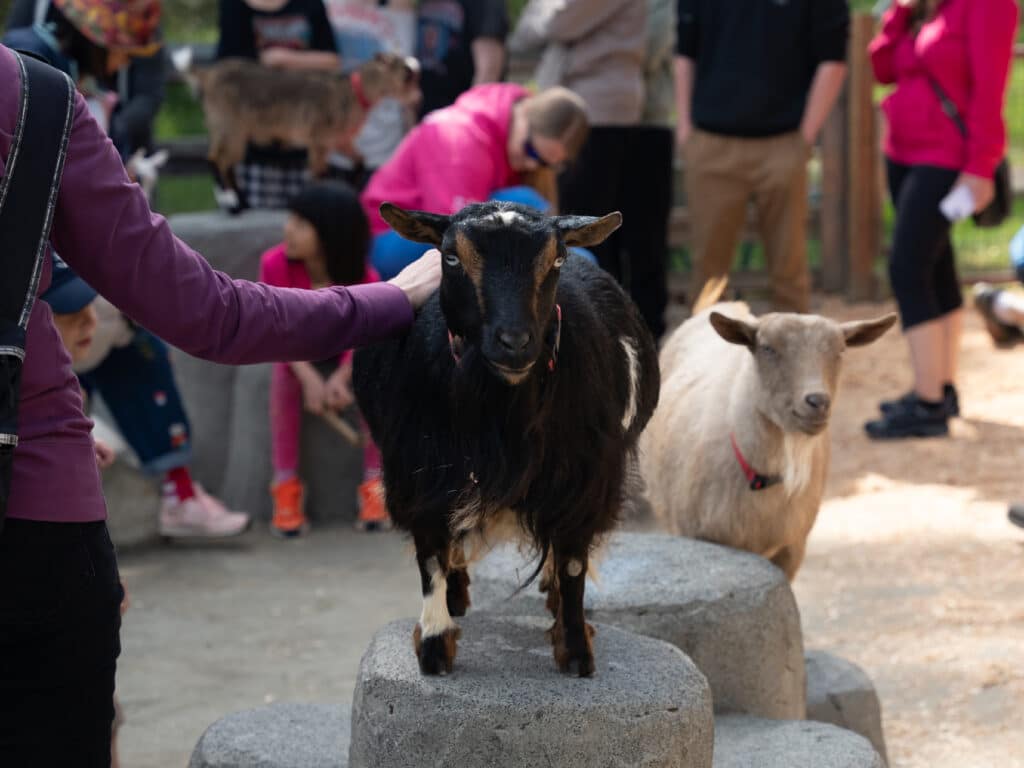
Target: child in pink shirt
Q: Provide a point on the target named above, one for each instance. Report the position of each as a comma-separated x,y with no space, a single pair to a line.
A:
327,238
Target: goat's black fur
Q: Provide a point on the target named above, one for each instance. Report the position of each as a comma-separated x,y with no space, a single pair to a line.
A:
551,448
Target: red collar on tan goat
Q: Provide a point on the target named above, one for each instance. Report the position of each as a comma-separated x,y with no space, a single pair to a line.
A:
758,482
455,342
356,78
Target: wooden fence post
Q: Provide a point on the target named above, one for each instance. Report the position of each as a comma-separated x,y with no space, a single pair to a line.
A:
865,218
834,173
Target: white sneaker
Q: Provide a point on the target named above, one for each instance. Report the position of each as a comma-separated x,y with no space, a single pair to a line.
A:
202,516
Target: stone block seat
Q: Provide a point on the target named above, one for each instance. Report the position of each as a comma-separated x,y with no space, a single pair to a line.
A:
732,612
229,406
506,704
277,736
742,741
841,693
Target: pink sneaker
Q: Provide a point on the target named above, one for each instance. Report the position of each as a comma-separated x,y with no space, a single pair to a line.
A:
201,517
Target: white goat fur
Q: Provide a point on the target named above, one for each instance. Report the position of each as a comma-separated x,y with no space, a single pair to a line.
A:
709,389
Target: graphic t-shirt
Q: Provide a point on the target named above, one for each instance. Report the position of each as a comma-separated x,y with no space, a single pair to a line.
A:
445,32
300,25
361,31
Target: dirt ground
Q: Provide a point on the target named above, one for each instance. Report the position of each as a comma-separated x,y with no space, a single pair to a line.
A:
913,571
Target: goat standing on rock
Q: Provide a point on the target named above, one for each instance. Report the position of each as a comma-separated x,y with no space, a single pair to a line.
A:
512,407
737,452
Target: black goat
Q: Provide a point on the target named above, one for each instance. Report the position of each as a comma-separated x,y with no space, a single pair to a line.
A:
515,402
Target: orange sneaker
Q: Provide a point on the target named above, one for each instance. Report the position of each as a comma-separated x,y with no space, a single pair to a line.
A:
289,519
373,515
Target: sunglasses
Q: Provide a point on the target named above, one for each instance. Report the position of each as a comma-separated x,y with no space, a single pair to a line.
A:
533,154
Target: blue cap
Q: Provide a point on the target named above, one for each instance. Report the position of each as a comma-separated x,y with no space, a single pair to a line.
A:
68,293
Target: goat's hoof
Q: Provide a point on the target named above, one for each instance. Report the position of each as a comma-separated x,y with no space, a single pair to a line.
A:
573,654
580,661
436,653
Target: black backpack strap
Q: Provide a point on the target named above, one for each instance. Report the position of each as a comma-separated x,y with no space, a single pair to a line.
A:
28,196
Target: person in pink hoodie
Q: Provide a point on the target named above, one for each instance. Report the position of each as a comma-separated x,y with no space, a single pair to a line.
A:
468,152
934,51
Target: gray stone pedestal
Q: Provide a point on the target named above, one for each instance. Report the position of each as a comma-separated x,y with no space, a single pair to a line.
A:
732,612
278,736
133,505
505,703
749,742
841,693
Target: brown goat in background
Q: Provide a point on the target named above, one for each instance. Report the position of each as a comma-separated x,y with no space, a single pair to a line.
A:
247,103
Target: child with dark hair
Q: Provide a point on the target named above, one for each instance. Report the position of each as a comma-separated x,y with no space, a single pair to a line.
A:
326,242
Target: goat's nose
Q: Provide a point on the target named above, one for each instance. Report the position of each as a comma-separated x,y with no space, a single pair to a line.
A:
819,401
514,341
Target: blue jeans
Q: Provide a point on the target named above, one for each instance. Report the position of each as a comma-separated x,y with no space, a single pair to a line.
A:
391,252
137,384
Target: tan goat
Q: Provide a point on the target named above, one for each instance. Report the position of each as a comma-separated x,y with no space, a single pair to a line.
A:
247,103
737,451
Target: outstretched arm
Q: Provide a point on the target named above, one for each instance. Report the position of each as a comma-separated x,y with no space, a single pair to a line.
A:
104,229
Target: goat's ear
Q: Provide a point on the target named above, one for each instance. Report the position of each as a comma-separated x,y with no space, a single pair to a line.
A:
585,231
418,226
863,332
735,330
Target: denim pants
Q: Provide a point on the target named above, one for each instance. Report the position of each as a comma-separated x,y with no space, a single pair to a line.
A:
137,384
59,642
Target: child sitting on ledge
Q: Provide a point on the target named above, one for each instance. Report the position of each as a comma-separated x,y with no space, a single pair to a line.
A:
326,242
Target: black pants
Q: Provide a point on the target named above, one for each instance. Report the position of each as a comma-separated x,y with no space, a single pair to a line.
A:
60,596
628,169
922,268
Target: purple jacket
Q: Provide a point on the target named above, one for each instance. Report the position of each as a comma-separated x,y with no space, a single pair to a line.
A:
104,229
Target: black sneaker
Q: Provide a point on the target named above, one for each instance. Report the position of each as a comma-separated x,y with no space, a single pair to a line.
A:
910,419
1016,514
1001,333
950,399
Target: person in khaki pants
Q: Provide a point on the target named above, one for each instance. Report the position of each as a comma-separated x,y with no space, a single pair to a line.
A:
754,84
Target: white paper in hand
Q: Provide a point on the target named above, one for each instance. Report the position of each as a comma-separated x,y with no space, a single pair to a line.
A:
958,204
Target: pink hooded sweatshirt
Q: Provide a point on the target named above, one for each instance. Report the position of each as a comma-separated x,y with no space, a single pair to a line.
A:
457,155
967,49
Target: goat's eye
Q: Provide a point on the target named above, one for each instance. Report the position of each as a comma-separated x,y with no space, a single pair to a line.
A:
768,351
451,260
559,261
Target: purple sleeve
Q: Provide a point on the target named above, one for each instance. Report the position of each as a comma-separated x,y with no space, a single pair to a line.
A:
104,229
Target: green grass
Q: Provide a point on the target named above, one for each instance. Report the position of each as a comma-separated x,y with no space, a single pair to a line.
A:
184,194
180,115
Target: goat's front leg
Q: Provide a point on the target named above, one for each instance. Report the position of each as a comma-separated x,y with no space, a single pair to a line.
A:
571,634
458,580
436,635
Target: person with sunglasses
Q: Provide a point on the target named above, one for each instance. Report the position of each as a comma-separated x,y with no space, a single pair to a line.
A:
491,141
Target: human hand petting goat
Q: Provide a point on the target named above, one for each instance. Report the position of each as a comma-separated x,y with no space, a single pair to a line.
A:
421,278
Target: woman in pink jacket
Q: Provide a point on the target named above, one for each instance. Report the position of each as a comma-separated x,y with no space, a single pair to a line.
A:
468,152
961,48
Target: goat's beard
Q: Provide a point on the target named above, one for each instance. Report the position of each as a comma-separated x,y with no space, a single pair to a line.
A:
484,399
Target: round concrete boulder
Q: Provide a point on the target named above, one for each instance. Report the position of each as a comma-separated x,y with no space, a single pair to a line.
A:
277,736
732,612
841,693
506,704
749,742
